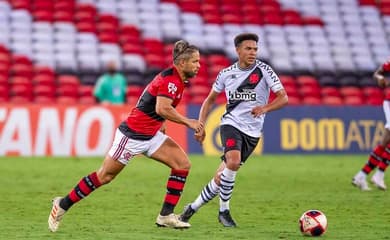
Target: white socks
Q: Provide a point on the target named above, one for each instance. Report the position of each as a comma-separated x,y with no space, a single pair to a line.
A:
226,189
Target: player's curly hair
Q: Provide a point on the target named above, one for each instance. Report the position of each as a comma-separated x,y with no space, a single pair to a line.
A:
183,50
245,36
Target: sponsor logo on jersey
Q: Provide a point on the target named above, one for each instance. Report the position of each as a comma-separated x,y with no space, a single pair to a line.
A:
245,95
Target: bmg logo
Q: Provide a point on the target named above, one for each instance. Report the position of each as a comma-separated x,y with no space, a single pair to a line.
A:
245,95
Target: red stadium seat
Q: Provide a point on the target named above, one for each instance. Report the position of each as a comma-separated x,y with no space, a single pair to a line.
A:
21,59
44,80
21,4
351,91
23,91
153,46
108,37
156,61
273,19
134,91
108,19
309,91
294,101
22,70
312,21
63,16
67,100
306,80
367,2
65,5
232,18
87,100
374,100
44,100
68,80
20,100
311,100
132,48
212,18
86,8
86,90
353,100
291,17
43,15
291,90
4,93
193,7
332,101
3,81
330,92
47,91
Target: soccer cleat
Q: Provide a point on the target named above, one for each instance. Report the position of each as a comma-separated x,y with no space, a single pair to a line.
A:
187,213
226,219
171,221
378,182
361,183
56,215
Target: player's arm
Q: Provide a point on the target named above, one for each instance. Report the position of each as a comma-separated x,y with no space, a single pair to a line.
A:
164,109
280,101
205,109
379,77
207,105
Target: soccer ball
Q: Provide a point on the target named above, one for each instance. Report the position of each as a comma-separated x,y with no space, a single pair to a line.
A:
313,223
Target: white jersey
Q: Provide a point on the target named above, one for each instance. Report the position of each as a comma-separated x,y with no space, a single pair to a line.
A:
245,89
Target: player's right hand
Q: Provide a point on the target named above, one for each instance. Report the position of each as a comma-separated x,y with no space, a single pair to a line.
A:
195,124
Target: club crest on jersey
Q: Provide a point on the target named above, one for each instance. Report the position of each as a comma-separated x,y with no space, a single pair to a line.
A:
245,95
253,78
172,88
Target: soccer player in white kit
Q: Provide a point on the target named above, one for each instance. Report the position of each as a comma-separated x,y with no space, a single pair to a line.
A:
247,85
380,156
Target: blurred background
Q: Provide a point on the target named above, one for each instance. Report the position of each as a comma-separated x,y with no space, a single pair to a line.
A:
324,51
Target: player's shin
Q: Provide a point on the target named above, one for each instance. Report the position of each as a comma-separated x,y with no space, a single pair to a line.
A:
175,186
85,187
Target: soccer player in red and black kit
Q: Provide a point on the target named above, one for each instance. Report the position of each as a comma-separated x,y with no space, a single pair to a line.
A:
142,133
380,156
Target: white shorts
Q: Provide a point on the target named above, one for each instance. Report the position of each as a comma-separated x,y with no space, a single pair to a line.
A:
124,149
386,109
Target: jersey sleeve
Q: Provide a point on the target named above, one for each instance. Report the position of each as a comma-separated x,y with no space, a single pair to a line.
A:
219,84
168,87
273,80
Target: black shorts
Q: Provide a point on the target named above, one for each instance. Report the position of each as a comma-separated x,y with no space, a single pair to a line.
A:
234,139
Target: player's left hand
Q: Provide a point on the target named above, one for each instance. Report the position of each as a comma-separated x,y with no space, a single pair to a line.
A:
258,111
200,136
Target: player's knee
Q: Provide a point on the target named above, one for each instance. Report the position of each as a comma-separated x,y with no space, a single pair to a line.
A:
233,164
185,165
217,178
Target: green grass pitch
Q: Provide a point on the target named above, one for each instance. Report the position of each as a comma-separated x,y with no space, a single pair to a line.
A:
271,193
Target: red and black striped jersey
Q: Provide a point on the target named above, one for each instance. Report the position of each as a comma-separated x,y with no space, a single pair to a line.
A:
143,122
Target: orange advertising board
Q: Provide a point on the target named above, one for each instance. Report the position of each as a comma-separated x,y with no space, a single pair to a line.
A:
60,130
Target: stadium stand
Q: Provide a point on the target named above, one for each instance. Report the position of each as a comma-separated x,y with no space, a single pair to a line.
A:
324,50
